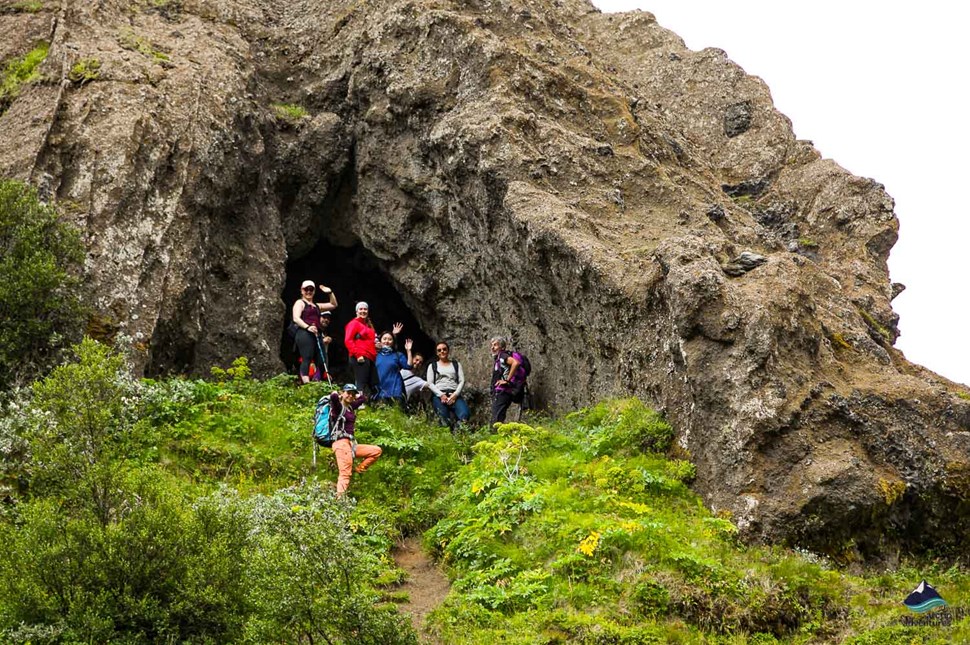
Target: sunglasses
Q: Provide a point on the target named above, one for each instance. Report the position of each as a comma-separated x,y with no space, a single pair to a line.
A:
309,289
441,350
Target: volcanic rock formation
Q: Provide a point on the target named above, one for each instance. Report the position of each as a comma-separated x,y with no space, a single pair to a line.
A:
637,215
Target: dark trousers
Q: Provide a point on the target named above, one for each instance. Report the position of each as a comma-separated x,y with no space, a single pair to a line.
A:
500,405
309,350
365,376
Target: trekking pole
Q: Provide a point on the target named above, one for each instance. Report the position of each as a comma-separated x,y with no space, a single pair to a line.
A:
323,357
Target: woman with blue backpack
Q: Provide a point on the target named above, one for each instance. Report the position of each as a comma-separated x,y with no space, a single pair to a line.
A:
343,417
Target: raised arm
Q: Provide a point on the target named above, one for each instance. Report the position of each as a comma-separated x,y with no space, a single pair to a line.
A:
327,306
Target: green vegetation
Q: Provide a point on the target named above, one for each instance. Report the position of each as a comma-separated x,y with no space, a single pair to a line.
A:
40,310
27,6
839,341
188,511
874,325
807,243
134,42
19,72
86,69
289,113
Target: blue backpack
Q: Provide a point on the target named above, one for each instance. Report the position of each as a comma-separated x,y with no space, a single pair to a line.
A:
326,424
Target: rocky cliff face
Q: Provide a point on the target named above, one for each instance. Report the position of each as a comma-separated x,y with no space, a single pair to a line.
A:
636,214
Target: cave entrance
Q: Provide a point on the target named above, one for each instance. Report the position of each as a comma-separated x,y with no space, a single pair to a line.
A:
354,274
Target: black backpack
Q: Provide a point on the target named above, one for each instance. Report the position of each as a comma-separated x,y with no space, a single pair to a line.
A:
434,368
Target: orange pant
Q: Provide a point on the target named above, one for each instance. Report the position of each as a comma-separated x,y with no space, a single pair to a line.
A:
344,453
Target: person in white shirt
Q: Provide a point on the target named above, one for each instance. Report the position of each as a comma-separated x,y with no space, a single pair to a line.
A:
446,380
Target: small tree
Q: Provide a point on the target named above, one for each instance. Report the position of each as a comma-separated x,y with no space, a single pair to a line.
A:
40,309
87,436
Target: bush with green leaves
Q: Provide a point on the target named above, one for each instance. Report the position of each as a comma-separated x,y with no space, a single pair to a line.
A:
40,306
309,575
164,568
85,433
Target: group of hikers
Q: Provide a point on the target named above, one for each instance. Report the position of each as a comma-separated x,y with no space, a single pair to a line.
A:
384,374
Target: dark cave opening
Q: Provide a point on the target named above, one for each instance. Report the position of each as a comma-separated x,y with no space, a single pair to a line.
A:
354,274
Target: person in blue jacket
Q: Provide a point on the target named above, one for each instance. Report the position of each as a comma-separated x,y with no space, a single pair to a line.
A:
389,364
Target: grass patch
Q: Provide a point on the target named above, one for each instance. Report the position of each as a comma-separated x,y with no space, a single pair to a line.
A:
19,72
133,42
289,113
24,6
85,70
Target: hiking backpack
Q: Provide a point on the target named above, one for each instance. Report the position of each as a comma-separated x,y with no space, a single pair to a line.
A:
434,368
326,424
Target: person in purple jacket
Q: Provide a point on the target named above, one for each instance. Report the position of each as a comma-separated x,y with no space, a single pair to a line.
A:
344,404
508,378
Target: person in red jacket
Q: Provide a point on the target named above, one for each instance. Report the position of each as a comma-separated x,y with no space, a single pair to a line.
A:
361,345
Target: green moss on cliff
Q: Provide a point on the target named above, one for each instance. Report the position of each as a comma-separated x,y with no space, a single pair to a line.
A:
86,69
27,6
136,43
19,72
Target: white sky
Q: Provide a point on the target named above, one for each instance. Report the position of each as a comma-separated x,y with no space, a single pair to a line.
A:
881,88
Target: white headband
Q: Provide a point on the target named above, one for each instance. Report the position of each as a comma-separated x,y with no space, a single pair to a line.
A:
361,304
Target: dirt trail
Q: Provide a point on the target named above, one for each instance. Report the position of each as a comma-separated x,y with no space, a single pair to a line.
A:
427,586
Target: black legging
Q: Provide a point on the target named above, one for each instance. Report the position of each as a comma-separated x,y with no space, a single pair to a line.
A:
309,350
365,376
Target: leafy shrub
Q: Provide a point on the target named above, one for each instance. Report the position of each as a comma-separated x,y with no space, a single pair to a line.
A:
40,308
85,70
627,427
85,435
163,569
308,575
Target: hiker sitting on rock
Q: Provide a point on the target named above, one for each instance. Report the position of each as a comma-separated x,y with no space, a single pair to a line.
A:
306,328
344,404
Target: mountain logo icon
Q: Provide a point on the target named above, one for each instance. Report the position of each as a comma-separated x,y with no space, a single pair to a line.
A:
923,598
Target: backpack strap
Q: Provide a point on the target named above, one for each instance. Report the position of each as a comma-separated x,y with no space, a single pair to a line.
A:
338,423
434,368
